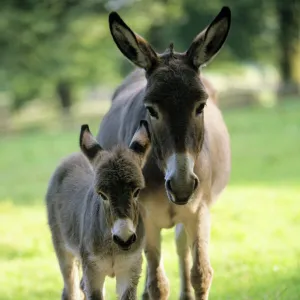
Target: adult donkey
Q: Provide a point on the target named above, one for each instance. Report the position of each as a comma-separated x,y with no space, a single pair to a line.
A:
190,158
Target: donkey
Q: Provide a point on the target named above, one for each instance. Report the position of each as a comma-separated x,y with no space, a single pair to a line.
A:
189,163
95,217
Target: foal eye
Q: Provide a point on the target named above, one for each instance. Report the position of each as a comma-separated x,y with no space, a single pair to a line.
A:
103,196
199,109
153,113
136,193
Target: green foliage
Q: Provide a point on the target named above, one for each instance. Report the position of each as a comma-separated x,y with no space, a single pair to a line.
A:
254,246
43,43
51,41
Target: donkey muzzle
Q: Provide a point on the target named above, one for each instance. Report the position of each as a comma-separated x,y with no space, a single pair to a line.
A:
123,233
180,179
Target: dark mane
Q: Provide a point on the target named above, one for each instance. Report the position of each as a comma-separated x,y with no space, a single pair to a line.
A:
171,49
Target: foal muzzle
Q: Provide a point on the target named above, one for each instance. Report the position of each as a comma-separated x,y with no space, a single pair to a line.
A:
123,233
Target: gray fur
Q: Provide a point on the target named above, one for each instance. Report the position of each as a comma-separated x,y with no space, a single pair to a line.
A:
81,221
190,144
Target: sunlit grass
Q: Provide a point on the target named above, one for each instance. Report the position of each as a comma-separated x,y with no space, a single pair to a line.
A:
255,249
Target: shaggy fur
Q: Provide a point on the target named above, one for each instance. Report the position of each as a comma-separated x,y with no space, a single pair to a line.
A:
87,193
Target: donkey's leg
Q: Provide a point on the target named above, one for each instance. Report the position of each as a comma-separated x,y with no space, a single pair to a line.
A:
145,295
184,255
126,289
82,287
70,271
198,231
93,281
157,285
127,281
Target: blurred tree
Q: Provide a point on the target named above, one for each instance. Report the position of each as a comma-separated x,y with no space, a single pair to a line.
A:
265,31
50,46
288,14
153,20
252,26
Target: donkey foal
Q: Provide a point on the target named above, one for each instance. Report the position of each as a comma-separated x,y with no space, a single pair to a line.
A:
95,218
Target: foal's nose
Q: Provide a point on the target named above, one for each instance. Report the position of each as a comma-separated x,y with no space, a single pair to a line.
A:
179,191
123,233
125,245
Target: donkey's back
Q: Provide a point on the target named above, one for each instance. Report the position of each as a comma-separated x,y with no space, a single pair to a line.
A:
67,191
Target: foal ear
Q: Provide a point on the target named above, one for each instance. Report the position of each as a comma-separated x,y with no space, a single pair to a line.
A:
208,43
141,142
133,46
88,144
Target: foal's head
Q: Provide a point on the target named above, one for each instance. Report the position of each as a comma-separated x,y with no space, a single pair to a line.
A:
119,179
175,98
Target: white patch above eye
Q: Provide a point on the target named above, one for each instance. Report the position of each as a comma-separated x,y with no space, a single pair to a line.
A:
136,193
102,195
153,111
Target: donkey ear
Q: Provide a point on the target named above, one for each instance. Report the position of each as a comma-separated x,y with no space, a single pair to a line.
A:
141,141
208,43
88,144
133,46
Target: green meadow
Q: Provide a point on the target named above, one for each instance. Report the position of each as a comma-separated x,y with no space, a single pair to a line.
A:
255,244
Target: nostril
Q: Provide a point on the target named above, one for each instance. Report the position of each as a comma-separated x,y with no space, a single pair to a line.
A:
168,183
122,243
116,239
196,182
132,239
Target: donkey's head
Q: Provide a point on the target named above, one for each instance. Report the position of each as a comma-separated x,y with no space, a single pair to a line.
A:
175,98
119,179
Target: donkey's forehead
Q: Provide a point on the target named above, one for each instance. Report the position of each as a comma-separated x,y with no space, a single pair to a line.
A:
174,80
119,170
175,64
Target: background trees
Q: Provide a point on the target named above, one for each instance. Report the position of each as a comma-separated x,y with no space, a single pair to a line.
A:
53,48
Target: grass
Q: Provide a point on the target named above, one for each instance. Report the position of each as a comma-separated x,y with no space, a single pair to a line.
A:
255,249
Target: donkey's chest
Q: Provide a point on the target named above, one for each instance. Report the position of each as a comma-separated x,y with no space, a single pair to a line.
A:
111,265
164,214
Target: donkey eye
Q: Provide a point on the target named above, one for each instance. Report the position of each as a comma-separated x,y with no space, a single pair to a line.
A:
136,193
103,196
199,109
153,113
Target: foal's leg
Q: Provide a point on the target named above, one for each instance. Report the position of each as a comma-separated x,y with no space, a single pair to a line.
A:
93,281
127,281
198,230
70,271
184,255
157,285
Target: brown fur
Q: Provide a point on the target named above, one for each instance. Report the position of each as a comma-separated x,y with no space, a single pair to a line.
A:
210,89
190,157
